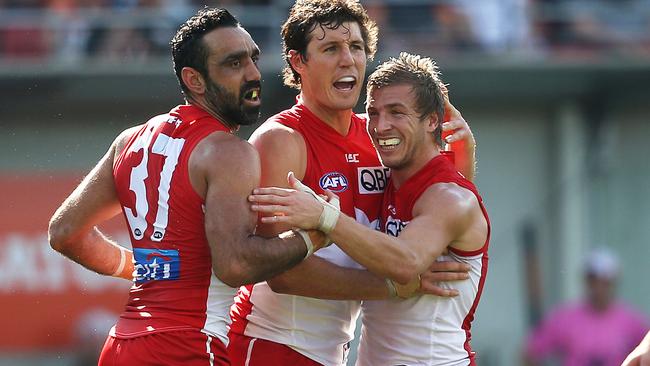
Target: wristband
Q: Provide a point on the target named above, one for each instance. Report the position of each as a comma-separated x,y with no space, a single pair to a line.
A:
328,218
307,239
120,267
392,291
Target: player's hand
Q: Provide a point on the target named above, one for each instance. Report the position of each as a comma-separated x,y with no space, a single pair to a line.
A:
289,206
300,207
442,272
408,290
641,354
454,127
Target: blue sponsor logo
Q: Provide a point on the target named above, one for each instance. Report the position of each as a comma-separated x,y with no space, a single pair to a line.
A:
156,264
334,181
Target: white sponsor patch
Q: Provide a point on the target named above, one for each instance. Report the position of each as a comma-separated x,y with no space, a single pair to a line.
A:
372,180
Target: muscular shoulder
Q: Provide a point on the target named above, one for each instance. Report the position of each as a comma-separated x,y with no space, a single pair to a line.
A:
450,195
123,138
223,149
457,209
282,149
272,135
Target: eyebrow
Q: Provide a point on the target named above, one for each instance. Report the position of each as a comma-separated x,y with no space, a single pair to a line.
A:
238,55
393,105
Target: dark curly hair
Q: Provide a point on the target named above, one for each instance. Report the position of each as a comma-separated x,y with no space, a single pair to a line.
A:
306,15
188,49
423,75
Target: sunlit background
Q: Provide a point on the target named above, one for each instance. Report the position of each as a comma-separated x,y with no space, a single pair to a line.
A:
557,93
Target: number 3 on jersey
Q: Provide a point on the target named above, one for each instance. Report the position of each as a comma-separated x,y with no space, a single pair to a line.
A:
170,149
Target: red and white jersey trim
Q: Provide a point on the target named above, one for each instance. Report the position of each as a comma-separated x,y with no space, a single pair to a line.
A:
424,330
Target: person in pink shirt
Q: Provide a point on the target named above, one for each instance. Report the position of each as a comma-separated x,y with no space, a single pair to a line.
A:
641,354
597,331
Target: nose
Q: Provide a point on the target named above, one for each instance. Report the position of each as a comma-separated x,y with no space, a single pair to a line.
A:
347,59
253,72
381,124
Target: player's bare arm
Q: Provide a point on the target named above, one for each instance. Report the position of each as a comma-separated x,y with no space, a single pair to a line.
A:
224,170
445,215
281,149
72,229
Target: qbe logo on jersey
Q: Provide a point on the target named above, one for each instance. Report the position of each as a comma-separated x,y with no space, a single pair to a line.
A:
156,264
372,179
395,226
333,181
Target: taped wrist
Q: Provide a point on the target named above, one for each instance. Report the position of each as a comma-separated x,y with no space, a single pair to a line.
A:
120,267
392,291
328,218
331,210
307,239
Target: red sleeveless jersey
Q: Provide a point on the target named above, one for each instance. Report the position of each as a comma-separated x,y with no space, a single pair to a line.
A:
409,331
348,166
398,203
174,286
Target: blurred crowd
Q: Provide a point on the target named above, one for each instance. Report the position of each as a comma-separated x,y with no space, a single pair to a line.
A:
138,30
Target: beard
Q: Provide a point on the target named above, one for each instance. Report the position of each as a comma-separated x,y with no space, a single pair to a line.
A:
231,107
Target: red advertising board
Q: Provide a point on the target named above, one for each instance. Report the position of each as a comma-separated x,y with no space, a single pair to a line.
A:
46,300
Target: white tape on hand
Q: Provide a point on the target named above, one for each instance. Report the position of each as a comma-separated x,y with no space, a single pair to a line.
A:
331,210
328,218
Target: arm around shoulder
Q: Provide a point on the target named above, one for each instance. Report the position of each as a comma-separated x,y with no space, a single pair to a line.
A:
238,256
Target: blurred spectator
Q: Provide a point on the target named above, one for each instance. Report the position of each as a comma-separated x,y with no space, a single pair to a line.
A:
72,31
588,28
437,28
453,28
499,25
18,40
641,354
597,331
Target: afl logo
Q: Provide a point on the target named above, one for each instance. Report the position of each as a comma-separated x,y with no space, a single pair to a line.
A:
334,181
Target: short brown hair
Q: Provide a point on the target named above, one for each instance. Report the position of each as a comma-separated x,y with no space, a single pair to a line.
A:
306,15
423,76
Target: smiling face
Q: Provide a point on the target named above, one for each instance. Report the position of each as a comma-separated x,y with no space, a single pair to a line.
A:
402,137
332,72
233,86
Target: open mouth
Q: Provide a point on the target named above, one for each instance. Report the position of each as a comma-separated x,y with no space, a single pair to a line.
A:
389,143
345,83
253,95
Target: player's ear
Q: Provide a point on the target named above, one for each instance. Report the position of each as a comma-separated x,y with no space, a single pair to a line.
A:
193,80
432,122
296,60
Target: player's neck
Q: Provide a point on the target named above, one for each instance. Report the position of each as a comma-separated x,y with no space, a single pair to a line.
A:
338,119
201,103
400,175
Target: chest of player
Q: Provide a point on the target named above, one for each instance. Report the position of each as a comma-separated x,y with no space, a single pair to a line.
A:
352,172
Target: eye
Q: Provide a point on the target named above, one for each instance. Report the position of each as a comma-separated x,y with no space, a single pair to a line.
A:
330,49
255,59
235,63
357,47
